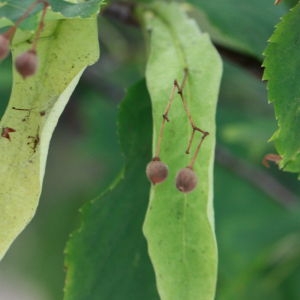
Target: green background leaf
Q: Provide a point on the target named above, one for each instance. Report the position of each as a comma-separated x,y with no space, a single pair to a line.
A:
290,3
282,57
84,9
258,241
240,24
12,10
107,257
62,58
257,225
179,227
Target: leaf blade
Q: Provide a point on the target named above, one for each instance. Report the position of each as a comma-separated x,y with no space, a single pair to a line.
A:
33,111
107,257
283,88
72,10
12,10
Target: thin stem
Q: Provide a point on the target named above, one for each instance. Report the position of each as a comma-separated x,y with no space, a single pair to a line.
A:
187,151
179,89
41,26
257,177
11,31
271,157
188,113
193,160
185,76
165,119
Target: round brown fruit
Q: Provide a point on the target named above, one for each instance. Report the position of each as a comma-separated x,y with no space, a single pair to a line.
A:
156,171
26,63
186,180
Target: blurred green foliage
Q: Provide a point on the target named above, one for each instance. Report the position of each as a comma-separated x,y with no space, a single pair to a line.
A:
257,233
109,247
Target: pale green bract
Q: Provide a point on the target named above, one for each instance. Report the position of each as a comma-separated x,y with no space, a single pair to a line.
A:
179,228
64,50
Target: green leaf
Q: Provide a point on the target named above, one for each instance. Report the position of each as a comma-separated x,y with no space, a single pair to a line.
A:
282,70
290,3
12,10
33,110
107,257
82,9
179,227
242,25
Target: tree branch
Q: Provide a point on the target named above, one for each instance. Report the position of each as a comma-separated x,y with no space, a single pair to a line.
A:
258,178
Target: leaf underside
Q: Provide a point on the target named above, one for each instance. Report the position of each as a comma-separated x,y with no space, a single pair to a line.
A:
107,257
231,19
179,228
32,113
282,71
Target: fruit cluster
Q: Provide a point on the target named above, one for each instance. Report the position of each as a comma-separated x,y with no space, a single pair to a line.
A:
156,170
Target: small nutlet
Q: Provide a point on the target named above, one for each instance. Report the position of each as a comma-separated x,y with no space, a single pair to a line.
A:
26,63
4,46
156,171
186,180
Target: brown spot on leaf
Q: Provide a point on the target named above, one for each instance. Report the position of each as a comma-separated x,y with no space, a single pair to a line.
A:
6,131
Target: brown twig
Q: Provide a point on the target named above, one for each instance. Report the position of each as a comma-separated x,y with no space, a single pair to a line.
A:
179,88
258,178
11,31
41,25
